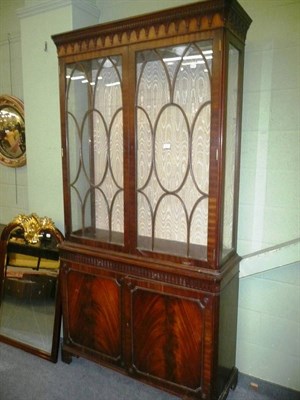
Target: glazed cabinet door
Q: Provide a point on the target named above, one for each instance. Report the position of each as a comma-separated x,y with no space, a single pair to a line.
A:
92,313
93,162
173,134
171,336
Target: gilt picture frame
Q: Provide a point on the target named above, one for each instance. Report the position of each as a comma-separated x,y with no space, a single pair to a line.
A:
12,132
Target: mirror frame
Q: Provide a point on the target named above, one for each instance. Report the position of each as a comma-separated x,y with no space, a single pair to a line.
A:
12,102
32,226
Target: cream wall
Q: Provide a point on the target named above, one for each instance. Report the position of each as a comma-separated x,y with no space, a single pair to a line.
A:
13,181
269,227
38,21
270,163
269,210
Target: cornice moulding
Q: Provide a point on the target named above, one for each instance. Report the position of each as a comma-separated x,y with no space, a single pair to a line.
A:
181,20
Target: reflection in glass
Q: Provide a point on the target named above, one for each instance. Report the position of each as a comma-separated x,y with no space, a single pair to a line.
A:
12,129
26,315
12,132
29,315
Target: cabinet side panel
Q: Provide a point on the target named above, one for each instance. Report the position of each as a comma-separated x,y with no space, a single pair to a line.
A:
94,313
227,332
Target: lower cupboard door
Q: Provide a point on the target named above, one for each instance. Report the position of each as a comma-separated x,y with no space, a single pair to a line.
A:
172,339
94,315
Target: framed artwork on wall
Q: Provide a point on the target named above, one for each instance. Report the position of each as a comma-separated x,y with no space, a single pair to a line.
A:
12,132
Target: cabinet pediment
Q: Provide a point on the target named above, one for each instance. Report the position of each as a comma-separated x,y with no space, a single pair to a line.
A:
182,20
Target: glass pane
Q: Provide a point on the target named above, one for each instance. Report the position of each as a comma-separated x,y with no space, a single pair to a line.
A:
30,275
95,140
230,157
173,101
12,128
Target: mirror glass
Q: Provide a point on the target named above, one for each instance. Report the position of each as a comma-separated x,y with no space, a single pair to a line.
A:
30,310
12,132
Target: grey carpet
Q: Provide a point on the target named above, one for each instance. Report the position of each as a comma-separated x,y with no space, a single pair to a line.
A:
27,377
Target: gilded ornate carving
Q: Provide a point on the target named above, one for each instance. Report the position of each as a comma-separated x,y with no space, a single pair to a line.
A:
33,225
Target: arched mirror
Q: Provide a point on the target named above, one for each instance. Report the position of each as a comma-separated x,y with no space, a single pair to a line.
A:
30,307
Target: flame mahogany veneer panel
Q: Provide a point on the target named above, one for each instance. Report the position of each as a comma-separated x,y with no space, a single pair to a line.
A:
168,337
94,313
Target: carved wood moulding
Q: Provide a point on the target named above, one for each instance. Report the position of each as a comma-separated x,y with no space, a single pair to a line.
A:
210,285
193,18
